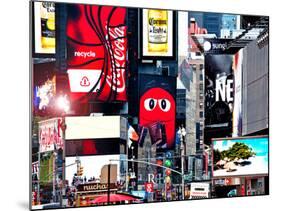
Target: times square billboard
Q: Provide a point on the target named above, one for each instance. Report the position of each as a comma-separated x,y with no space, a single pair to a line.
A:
107,85
240,156
157,109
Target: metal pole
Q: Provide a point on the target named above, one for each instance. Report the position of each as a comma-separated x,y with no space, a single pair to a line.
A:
38,179
182,167
108,183
153,164
127,166
63,160
165,186
54,176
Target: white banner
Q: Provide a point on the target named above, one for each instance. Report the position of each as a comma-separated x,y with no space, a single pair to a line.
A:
82,80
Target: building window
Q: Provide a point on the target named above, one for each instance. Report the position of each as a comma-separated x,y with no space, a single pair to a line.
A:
201,114
201,66
201,87
201,77
201,105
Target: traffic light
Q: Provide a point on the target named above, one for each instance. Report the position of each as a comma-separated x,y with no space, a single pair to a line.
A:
80,171
168,160
168,172
168,163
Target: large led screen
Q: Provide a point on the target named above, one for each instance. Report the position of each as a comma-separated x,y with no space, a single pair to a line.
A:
157,33
240,156
139,105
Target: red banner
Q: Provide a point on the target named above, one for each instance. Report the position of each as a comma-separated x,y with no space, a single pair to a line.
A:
96,52
50,134
149,187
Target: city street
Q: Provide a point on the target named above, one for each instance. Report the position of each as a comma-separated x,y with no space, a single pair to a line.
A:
134,105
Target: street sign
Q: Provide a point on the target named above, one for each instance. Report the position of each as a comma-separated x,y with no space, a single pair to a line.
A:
187,177
149,187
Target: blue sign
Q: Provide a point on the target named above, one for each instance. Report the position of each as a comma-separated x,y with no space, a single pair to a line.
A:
140,193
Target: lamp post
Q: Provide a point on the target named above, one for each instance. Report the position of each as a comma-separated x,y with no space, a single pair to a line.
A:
38,179
182,133
133,157
108,182
54,174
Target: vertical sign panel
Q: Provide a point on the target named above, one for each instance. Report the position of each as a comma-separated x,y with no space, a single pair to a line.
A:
96,54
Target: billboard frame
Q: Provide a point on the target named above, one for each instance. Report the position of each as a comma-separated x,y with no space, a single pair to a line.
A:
32,34
239,138
174,37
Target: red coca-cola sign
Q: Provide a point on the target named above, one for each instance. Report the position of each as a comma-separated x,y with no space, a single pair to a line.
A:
97,41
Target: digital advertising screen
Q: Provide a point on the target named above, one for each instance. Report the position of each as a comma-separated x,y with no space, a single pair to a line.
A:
240,156
157,33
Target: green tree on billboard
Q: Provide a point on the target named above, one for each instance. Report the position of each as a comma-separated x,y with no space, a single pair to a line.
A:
237,151
240,151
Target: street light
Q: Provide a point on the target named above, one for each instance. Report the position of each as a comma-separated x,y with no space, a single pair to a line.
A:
55,154
63,103
182,133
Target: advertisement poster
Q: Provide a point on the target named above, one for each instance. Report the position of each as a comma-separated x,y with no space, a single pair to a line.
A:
92,168
199,190
50,134
157,108
244,156
157,33
237,107
96,54
219,85
44,28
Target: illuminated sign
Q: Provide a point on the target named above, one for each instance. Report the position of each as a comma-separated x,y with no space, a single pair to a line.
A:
50,134
96,51
157,109
44,28
240,156
149,187
199,190
219,89
157,33
46,93
237,105
224,89
82,80
96,187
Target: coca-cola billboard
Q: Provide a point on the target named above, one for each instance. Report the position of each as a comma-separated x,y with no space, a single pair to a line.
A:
50,135
96,52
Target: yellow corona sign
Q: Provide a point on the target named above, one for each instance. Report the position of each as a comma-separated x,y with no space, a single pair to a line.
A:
157,33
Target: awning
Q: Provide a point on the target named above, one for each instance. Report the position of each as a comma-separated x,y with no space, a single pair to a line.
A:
118,197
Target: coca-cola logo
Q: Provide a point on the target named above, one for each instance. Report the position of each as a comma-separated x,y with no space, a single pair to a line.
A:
116,79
